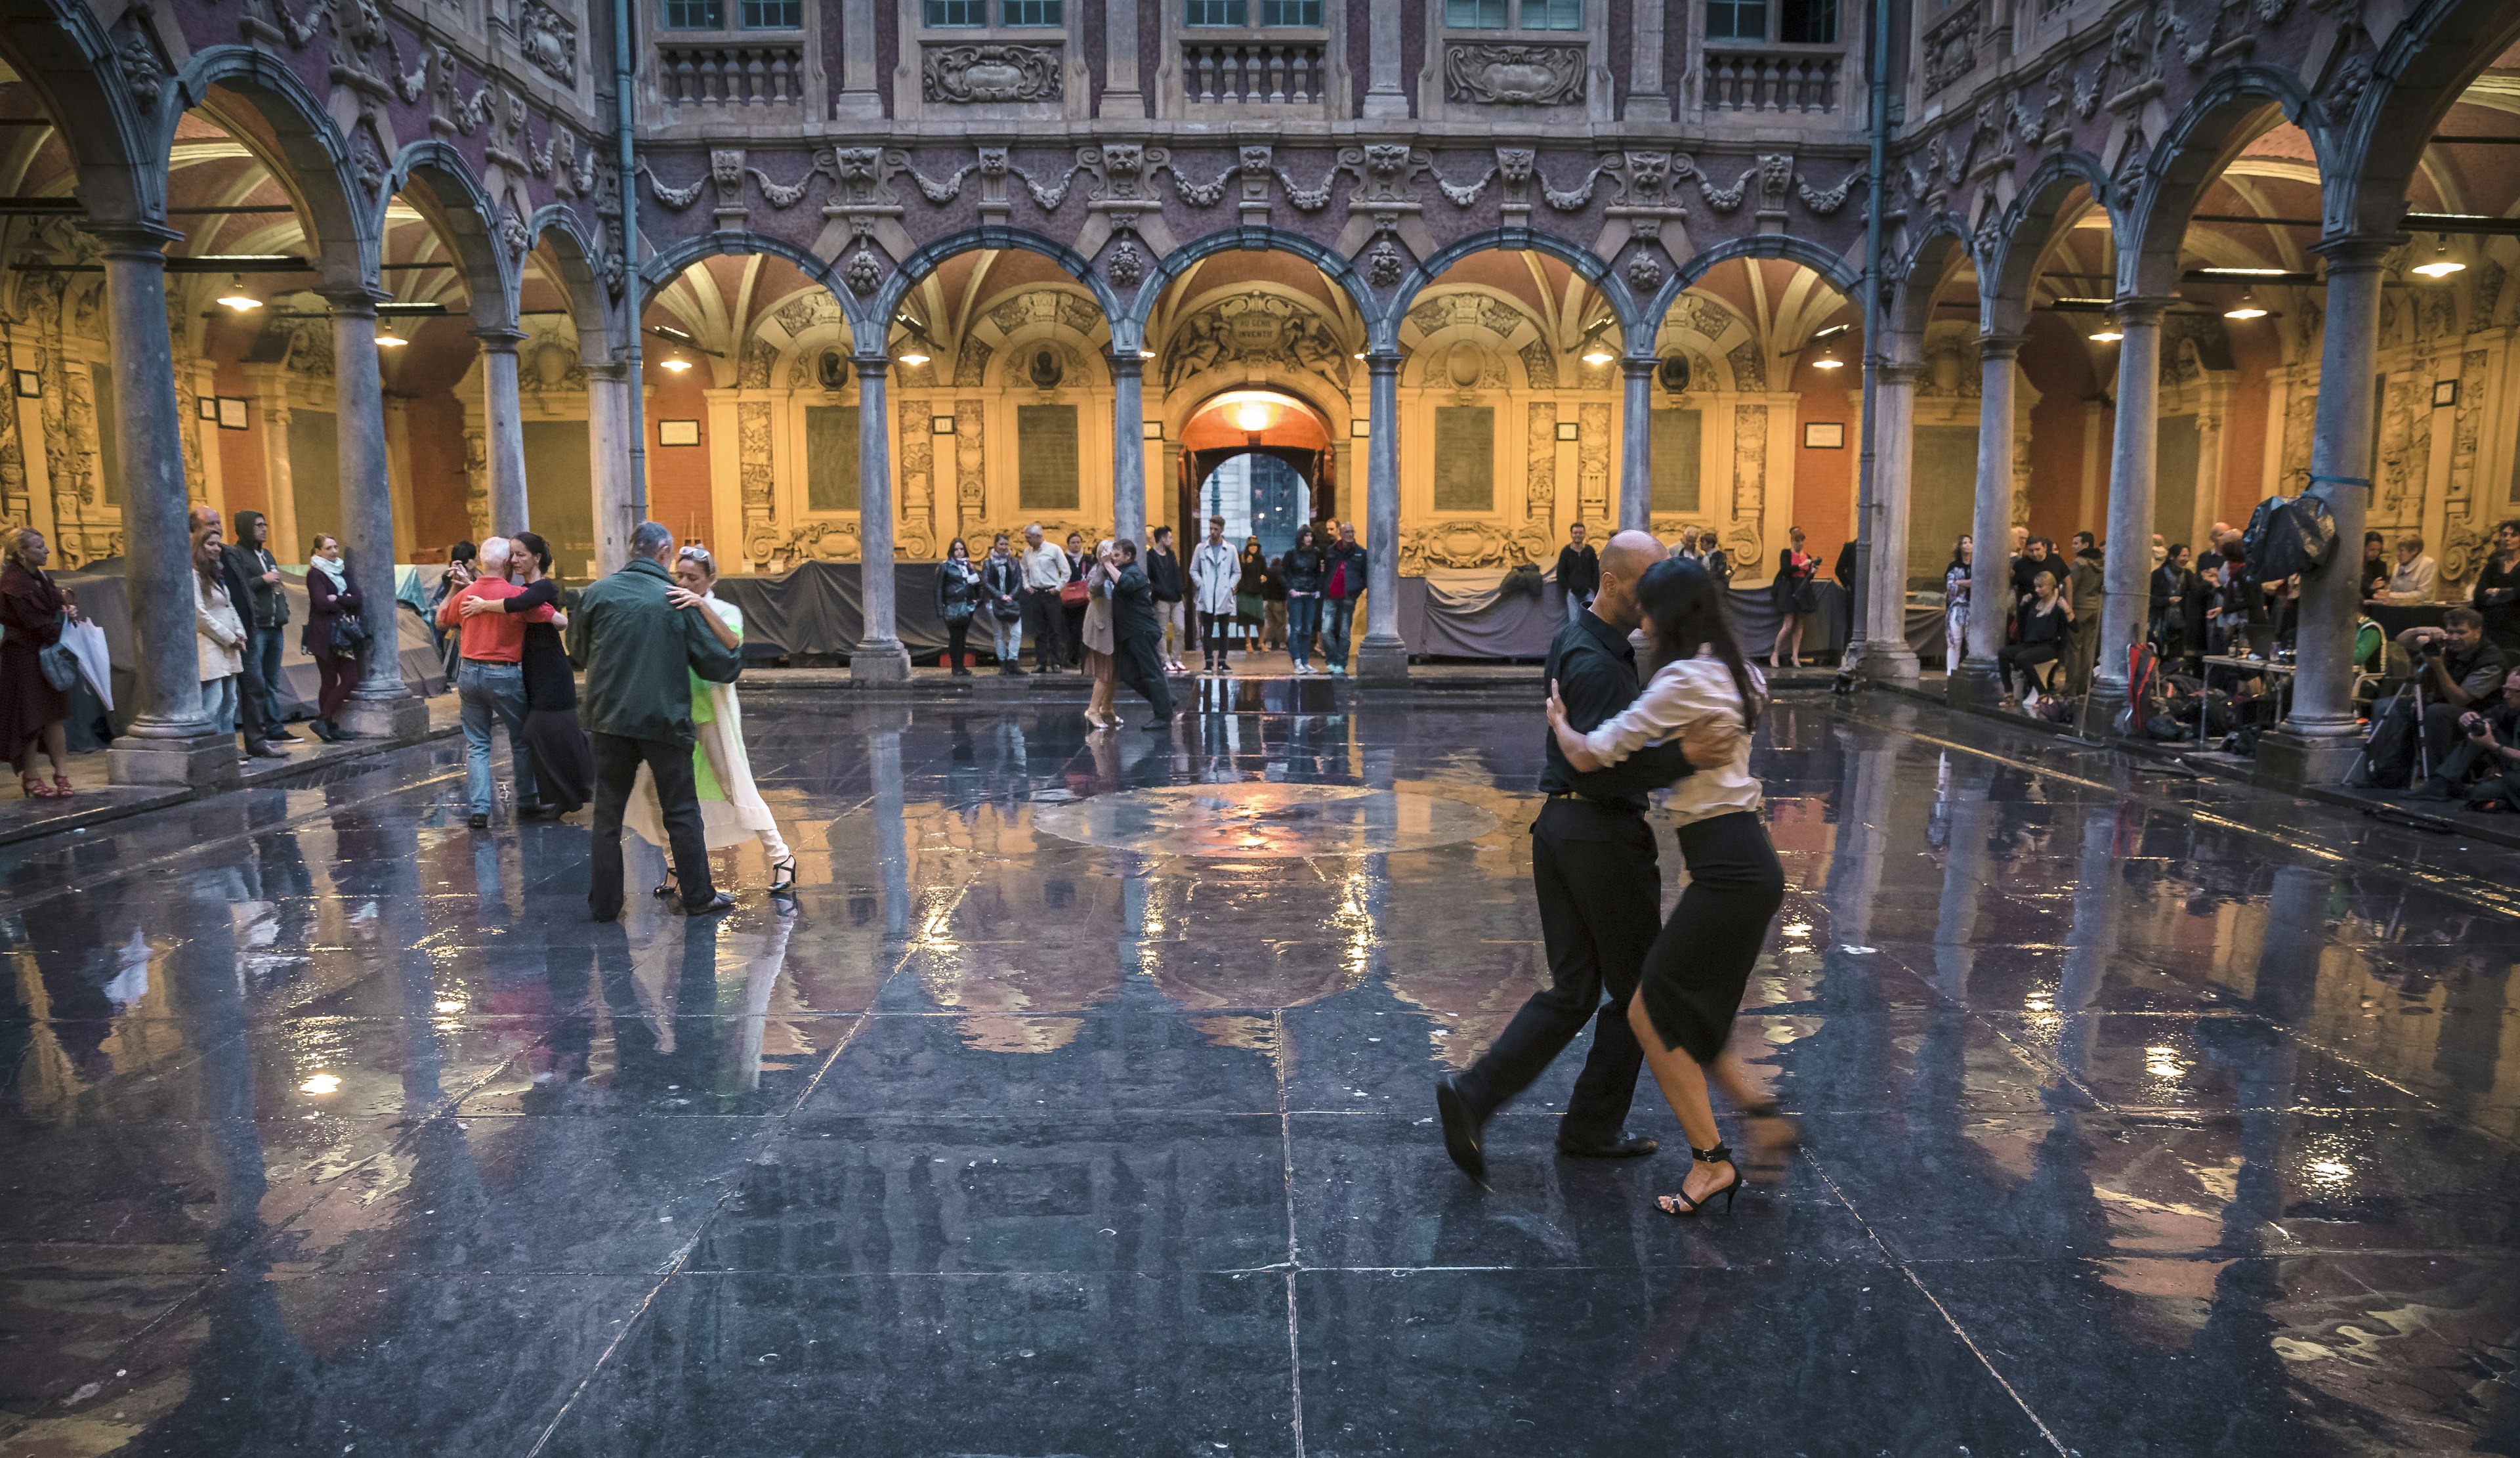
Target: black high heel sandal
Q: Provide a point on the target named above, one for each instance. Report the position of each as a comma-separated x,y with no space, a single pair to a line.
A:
1721,1154
782,877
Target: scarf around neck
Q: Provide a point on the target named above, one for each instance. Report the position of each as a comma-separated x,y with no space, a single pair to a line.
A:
335,571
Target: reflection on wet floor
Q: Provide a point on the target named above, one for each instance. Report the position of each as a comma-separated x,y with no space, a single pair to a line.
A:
1080,1104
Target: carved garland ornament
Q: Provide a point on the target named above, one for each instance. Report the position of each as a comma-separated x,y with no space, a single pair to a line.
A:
992,73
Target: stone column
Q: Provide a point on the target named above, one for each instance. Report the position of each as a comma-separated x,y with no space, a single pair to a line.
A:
859,100
880,657
1975,681
2134,465
503,425
382,707
1382,94
1128,447
398,459
1647,100
1887,657
170,741
1636,444
2317,744
608,443
1383,657
1121,95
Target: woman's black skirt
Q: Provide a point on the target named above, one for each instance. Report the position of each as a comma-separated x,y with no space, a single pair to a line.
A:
1699,965
564,760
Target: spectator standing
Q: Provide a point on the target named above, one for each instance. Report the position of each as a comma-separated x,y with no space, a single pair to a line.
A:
1250,593
490,681
2416,575
239,569
2171,587
1169,587
1579,571
1304,569
459,572
1096,636
563,762
1136,632
1796,597
1071,606
1719,565
265,611
1001,595
1213,572
1955,601
335,636
1273,606
1348,563
640,652
219,635
2086,579
1045,573
32,608
2497,595
958,599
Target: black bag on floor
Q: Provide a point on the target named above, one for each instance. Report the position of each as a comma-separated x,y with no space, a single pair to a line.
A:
2389,755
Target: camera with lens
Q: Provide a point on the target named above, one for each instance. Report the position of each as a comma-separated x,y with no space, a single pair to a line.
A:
2433,648
2474,727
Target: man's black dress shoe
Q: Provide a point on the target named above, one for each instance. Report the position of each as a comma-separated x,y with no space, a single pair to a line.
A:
710,907
1625,1147
1460,1129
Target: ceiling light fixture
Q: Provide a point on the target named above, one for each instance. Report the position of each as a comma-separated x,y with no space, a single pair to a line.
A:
1252,417
2443,265
2243,273
913,357
1827,359
2247,308
387,338
239,297
674,363
2109,336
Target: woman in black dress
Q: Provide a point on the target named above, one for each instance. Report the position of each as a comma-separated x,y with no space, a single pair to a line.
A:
1251,594
958,601
1796,595
564,760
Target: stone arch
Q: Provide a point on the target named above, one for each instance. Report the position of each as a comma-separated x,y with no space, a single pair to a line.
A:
2028,227
1636,329
874,315
1841,275
2153,215
58,49
1684,331
661,269
469,222
319,166
1910,308
2418,75
1333,265
1499,317
558,226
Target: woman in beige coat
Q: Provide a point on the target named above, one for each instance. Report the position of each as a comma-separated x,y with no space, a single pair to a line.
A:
1097,639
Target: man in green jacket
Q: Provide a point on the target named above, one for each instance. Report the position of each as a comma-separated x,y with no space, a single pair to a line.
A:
639,655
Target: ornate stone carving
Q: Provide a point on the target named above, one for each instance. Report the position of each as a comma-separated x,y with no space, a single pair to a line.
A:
1951,47
1593,461
674,199
1724,200
1540,461
1749,463
971,460
990,75
142,70
780,196
1385,267
1827,204
1474,543
549,40
863,273
476,482
1256,329
1644,274
1514,76
1539,366
1127,266
1749,366
1474,310
752,371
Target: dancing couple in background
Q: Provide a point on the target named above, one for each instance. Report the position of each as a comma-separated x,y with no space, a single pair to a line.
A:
1673,987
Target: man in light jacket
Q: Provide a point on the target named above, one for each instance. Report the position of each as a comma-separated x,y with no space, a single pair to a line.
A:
1045,571
1214,571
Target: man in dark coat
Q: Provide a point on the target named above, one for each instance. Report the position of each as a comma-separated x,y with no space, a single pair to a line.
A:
639,653
239,571
1579,571
2086,587
1138,637
265,611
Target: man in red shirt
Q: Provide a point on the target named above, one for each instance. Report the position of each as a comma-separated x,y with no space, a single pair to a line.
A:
490,680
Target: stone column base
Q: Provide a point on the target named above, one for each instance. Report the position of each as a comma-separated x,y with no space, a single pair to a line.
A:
1383,660
200,762
2100,717
1891,664
2289,758
1975,685
396,716
880,661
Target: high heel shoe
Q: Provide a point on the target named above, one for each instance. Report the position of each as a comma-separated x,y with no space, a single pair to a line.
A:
782,877
1771,1156
1679,1205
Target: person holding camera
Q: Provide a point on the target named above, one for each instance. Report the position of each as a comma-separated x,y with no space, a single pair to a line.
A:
2489,748
2458,669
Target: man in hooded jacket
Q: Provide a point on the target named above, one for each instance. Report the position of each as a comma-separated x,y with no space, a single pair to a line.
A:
265,609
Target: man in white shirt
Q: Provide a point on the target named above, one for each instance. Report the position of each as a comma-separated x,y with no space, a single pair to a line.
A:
1045,571
1214,572
2416,574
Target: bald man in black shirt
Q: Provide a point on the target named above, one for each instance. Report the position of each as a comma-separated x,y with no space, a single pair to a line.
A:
1601,894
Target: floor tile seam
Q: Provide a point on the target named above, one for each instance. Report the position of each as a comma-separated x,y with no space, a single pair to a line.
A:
1294,1244
1907,1270
2463,1118
17,906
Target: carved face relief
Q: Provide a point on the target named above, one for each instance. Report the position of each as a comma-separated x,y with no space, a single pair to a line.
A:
1648,175
1385,159
993,163
726,169
856,163
1515,163
1256,160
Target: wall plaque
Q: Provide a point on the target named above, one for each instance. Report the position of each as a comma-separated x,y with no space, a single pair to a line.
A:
1465,458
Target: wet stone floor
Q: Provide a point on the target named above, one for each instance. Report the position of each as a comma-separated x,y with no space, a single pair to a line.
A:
1081,1104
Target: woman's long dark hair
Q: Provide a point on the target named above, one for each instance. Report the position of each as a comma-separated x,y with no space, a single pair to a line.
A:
541,549
1678,595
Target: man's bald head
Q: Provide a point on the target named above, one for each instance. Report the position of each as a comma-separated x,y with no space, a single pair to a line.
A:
1624,559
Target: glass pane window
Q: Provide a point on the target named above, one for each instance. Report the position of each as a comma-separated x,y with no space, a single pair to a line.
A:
1807,23
1736,19
694,15
1216,12
771,15
1033,13
1475,15
1290,12
941,14
1553,14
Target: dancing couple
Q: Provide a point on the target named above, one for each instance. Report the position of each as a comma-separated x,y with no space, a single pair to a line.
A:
1673,987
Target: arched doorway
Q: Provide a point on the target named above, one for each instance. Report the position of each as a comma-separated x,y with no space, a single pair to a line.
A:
1261,459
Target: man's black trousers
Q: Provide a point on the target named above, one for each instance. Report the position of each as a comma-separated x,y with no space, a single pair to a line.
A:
1601,904
616,772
